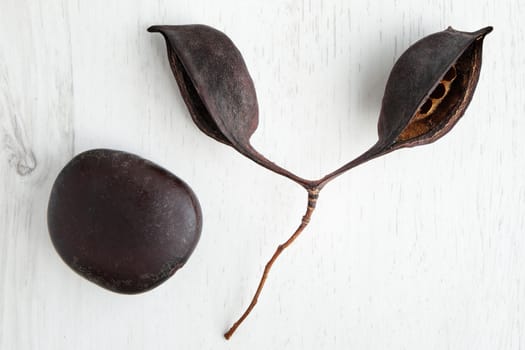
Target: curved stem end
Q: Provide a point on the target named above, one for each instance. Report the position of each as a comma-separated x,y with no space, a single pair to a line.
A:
313,195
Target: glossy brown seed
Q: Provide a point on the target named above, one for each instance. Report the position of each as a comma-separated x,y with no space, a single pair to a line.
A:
121,221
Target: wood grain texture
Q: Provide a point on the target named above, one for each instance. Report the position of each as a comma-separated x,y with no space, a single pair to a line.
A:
422,249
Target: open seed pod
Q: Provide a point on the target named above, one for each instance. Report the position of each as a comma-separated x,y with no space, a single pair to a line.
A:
430,87
216,87
427,92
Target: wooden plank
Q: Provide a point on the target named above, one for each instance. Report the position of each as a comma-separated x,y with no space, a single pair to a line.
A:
36,133
420,249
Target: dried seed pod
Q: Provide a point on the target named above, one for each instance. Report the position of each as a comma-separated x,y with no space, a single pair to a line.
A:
214,82
427,92
216,87
430,87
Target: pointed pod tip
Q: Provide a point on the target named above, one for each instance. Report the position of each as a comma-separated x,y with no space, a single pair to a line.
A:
484,31
153,29
479,34
158,28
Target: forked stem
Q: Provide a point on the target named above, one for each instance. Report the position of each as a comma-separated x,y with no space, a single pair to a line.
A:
313,194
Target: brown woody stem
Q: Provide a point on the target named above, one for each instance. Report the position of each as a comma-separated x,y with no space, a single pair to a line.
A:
258,158
313,194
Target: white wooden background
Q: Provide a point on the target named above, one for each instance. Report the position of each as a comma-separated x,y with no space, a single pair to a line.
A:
421,249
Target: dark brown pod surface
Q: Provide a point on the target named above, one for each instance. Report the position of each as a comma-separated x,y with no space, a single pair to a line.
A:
429,87
214,81
121,221
217,88
427,92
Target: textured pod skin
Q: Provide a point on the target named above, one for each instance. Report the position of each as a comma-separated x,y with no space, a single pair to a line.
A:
217,88
418,71
121,221
214,81
413,79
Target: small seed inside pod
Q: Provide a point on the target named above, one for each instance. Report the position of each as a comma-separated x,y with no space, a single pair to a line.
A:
436,97
441,101
450,75
439,92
